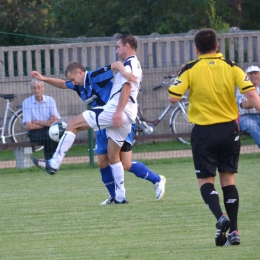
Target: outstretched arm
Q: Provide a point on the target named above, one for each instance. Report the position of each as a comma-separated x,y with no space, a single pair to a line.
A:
117,65
58,83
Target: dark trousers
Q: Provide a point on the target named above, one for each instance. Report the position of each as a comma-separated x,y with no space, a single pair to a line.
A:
42,136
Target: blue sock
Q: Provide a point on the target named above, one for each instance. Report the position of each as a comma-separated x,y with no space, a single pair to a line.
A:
141,171
108,180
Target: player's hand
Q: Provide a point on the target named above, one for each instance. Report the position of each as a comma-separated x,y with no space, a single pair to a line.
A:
132,78
179,70
37,75
118,119
129,76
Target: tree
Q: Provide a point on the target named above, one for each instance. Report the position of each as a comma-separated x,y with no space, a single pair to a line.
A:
250,16
42,20
23,17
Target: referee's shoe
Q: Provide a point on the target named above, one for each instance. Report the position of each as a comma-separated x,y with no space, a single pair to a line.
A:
222,226
233,239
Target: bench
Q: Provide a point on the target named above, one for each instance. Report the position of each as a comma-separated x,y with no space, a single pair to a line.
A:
23,151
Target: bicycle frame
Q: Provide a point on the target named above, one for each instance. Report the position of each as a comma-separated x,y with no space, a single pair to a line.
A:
3,127
7,107
142,122
178,119
157,120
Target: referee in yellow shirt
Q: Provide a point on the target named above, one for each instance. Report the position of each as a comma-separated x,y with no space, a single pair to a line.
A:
212,82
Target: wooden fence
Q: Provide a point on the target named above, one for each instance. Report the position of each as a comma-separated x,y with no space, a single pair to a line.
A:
160,55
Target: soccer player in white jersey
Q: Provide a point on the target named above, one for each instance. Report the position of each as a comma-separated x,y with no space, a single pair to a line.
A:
116,116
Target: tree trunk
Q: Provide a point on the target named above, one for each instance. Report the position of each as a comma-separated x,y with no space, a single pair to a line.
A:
236,6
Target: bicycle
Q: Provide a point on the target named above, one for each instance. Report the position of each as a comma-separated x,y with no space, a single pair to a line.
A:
16,130
178,121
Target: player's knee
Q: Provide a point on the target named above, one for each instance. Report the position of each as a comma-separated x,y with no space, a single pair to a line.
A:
127,165
102,164
113,158
71,126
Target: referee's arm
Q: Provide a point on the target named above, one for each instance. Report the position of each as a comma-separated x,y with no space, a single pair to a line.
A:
253,98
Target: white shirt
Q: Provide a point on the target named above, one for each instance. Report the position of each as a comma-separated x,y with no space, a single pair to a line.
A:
33,110
133,66
241,98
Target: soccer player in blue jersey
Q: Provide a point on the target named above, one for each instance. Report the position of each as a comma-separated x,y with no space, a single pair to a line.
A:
96,91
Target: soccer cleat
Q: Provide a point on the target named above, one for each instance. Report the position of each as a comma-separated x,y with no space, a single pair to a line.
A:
107,201
112,200
124,201
233,239
160,188
44,165
222,226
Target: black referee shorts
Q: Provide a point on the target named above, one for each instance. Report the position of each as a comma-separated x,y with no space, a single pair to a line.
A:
215,147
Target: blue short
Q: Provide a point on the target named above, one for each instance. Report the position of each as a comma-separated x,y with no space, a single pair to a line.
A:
101,140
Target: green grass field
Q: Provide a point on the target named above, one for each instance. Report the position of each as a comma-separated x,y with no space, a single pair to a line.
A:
59,217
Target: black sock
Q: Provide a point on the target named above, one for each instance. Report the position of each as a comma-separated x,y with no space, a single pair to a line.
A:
211,199
231,201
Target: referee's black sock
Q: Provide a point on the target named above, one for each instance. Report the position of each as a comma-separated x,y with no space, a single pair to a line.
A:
231,201
211,198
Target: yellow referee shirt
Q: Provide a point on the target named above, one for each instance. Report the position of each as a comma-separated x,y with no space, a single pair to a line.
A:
212,82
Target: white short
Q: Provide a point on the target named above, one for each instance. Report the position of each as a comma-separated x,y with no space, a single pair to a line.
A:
98,119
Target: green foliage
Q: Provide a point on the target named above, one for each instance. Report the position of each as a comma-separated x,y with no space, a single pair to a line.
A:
250,15
216,22
36,22
24,17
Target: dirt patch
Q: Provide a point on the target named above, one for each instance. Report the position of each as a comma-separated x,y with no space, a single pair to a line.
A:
247,149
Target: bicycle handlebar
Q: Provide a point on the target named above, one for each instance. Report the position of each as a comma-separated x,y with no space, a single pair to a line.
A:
165,83
157,87
169,77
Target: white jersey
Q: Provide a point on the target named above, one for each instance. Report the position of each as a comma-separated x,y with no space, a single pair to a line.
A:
133,66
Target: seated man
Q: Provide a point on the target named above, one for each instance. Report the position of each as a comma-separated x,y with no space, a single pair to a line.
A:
249,120
39,112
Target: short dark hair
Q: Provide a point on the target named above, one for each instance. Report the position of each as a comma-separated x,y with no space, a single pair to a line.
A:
73,66
206,40
128,38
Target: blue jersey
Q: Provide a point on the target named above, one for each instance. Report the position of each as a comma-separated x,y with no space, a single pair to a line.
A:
97,86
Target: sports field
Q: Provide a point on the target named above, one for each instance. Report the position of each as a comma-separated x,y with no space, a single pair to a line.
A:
59,217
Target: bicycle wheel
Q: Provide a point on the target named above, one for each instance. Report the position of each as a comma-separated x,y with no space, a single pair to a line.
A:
16,129
180,124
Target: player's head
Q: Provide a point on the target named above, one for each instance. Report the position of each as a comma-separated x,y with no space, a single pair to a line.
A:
37,88
126,46
75,72
206,41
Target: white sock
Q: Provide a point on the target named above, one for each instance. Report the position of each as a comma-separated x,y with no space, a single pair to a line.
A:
118,173
64,145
